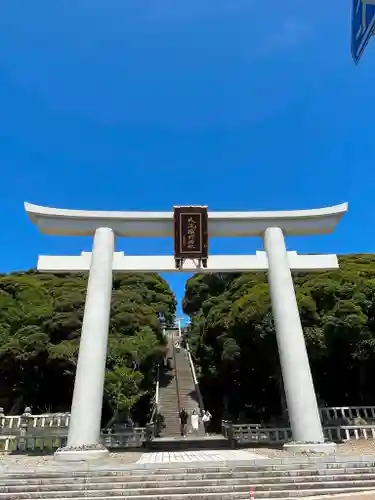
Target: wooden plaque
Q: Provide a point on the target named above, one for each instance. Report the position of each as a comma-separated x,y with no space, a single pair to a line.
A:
190,233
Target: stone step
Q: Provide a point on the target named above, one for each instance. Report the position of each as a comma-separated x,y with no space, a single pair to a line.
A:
231,495
168,398
160,492
128,477
185,444
178,485
198,470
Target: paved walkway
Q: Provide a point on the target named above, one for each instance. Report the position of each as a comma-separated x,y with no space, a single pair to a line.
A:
197,456
131,459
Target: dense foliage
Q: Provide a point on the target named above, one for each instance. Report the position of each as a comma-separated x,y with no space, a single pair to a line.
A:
40,324
233,340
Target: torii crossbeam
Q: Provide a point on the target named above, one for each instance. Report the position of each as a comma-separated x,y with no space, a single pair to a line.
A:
165,263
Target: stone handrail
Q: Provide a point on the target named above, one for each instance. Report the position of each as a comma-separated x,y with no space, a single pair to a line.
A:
175,371
187,347
157,389
194,375
154,424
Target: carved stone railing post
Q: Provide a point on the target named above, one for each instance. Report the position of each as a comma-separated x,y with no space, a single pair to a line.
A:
26,417
150,433
228,432
2,417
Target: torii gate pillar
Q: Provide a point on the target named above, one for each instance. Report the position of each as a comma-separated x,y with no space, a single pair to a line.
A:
86,411
298,383
84,430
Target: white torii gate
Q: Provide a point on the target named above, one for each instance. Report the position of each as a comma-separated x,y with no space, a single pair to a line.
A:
84,430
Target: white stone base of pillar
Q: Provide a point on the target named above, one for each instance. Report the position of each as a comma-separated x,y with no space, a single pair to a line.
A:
77,455
323,448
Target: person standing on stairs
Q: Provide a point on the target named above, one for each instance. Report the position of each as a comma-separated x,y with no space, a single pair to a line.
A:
183,421
206,418
194,422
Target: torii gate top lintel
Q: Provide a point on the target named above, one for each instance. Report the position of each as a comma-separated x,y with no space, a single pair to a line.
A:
142,224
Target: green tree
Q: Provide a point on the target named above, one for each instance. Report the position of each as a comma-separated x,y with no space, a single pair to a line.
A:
40,324
234,344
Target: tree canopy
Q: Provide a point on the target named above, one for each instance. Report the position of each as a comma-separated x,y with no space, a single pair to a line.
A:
40,324
234,345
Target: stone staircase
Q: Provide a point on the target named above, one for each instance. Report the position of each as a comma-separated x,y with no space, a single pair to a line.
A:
168,399
176,390
186,388
282,481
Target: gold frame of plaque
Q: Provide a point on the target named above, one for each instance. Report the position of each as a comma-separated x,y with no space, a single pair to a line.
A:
190,235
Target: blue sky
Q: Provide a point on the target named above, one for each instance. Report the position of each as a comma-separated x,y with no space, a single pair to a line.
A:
144,104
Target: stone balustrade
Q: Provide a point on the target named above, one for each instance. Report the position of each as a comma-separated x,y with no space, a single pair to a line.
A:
134,439
16,443
49,431
43,420
254,433
50,442
331,413
350,432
